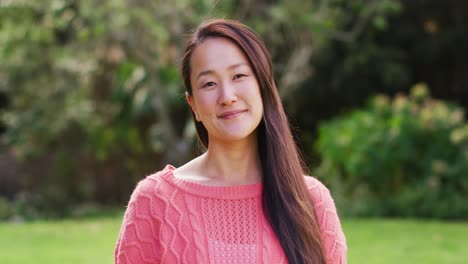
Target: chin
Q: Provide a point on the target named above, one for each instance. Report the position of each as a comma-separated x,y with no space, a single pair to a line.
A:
233,136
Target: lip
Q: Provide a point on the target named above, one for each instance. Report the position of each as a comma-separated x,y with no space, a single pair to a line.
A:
231,114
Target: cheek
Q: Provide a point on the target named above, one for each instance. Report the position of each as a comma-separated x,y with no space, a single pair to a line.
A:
256,101
204,104
256,95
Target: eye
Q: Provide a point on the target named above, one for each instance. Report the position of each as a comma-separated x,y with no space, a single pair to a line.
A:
238,76
209,84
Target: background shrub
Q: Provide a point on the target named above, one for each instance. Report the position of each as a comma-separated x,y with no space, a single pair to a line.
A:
6,209
406,156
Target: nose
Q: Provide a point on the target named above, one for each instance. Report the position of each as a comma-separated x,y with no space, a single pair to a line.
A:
227,94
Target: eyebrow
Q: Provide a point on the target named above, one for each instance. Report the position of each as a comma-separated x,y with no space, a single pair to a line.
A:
207,72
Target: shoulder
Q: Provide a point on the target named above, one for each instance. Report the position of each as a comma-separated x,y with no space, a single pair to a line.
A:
138,241
152,185
150,196
332,233
313,182
321,198
318,192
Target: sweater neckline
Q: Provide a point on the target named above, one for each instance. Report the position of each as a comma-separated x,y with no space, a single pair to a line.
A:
210,191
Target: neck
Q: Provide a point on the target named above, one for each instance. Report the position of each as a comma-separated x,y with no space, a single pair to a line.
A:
235,163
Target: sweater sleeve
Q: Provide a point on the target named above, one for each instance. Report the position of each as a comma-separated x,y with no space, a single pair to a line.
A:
137,238
334,240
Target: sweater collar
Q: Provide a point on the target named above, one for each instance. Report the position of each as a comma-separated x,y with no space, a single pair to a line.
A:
209,191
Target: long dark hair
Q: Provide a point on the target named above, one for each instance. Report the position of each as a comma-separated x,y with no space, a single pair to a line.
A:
285,198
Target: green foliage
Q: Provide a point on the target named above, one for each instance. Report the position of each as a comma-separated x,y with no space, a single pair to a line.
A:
94,92
6,209
91,98
402,157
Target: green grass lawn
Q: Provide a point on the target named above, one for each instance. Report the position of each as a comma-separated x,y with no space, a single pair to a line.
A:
67,241
369,241
406,241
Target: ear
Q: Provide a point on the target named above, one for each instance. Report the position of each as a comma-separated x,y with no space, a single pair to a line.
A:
189,99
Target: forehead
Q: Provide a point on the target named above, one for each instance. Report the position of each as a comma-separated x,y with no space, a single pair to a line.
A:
216,54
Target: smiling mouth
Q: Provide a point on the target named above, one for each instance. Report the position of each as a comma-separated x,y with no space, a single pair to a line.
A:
231,114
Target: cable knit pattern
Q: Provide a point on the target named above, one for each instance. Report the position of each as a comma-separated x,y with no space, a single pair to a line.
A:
170,220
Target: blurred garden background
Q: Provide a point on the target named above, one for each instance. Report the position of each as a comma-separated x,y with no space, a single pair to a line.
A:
91,101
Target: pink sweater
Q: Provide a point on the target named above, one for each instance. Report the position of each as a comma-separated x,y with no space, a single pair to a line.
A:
170,220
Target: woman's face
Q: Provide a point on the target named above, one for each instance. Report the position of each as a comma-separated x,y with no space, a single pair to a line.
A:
225,93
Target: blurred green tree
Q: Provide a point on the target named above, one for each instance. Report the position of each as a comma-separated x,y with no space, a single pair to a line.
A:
92,95
402,157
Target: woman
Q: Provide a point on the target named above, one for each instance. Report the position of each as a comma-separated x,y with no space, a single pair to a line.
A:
246,199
